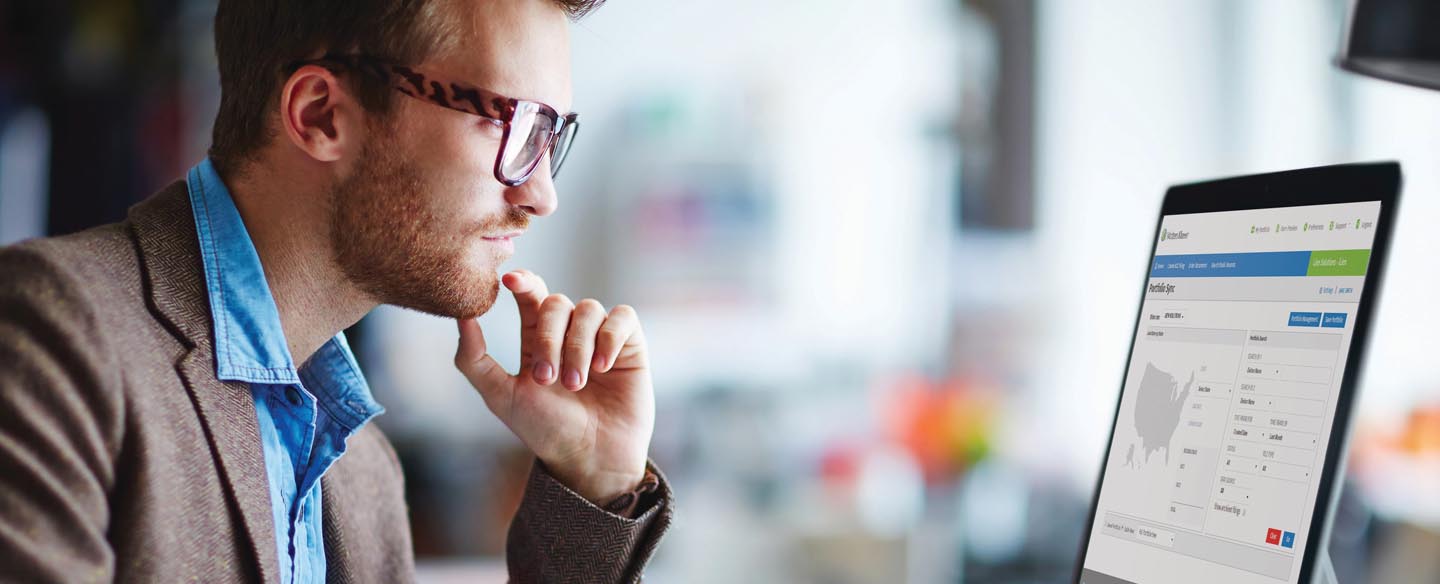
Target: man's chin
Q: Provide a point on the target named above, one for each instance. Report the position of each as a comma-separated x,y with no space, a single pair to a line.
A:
460,296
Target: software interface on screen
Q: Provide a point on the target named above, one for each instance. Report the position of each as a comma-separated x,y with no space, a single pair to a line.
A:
1228,402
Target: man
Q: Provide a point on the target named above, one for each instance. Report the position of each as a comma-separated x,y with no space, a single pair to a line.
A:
154,425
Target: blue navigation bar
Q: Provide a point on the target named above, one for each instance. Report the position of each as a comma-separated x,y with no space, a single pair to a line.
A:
1241,265
1339,262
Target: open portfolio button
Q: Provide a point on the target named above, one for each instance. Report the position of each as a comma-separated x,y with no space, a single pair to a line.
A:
1305,319
1333,320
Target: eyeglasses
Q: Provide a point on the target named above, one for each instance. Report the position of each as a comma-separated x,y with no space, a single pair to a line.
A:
530,128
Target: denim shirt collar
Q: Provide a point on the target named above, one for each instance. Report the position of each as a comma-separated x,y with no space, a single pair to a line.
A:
250,344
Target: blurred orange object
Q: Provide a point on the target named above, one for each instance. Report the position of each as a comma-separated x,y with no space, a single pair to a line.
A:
1421,434
946,426
1377,441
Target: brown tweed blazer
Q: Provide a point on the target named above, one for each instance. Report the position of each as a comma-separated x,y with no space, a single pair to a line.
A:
123,458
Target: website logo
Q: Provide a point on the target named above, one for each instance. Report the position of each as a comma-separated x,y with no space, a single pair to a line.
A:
1166,234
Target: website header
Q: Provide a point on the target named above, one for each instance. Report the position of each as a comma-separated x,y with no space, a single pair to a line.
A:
1345,226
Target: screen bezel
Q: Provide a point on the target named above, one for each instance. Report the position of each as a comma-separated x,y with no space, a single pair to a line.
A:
1344,183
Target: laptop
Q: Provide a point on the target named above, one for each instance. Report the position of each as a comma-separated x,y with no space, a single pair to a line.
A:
1227,449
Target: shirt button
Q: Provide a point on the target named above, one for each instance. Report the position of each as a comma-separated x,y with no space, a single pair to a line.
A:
292,395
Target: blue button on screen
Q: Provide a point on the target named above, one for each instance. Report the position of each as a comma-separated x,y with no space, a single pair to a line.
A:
1333,320
1287,540
1304,319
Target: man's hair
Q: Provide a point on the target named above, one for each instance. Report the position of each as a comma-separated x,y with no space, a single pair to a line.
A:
257,41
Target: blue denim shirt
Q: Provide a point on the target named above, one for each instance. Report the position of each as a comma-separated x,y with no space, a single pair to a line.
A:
305,415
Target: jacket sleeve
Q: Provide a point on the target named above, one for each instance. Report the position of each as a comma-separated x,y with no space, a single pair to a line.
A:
559,536
60,426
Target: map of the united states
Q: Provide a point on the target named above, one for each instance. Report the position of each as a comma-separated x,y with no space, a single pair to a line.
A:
1158,404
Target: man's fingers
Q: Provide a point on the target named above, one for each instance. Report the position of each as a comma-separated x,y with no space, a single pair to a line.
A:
484,373
579,346
610,340
553,319
530,291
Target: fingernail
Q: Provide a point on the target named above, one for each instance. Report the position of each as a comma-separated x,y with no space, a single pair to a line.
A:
572,379
542,372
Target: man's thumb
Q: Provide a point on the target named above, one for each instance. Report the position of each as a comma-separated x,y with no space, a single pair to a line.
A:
483,372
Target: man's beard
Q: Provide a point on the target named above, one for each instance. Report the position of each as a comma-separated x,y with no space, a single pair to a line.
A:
392,245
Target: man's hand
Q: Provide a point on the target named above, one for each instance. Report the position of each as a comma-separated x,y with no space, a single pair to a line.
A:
583,401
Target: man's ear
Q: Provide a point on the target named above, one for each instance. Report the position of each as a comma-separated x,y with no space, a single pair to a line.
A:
318,114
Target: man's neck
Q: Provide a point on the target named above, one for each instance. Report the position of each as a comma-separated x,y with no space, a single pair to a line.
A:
288,222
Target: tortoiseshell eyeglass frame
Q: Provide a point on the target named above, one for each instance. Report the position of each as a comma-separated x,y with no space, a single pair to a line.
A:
493,107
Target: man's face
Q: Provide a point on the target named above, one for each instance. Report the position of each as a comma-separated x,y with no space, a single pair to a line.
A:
420,221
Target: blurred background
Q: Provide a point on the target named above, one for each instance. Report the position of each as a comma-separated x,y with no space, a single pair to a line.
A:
887,255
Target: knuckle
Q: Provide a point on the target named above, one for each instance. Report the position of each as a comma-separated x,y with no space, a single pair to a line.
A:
625,310
610,337
556,301
590,306
548,343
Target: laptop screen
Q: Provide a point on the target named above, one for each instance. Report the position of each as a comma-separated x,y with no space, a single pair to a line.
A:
1228,402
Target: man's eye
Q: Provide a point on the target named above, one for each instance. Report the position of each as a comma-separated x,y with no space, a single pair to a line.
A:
491,126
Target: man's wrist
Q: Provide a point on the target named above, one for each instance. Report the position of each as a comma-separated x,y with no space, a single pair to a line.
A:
598,487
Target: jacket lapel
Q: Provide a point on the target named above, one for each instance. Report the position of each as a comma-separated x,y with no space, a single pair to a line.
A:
164,230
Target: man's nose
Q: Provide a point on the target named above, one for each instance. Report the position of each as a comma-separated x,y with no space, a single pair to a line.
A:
536,196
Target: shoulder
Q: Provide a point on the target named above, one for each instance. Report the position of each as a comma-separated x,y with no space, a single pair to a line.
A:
116,280
81,268
82,289
60,373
